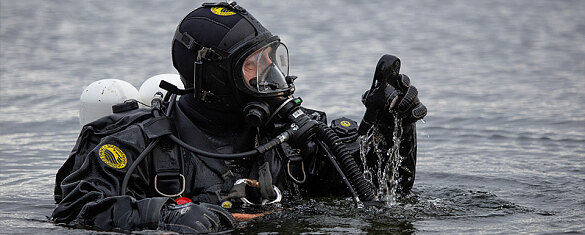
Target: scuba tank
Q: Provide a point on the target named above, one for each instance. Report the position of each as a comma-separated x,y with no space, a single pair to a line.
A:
151,86
97,99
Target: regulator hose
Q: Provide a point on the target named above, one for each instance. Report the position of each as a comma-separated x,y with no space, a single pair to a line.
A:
284,136
139,159
348,164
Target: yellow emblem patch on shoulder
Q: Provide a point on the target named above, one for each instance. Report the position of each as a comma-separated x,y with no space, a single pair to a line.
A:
345,123
113,156
222,11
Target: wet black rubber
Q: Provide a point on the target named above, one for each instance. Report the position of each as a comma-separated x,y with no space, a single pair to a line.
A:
346,161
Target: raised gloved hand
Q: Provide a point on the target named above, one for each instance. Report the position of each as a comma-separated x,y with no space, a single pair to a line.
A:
407,103
391,91
193,218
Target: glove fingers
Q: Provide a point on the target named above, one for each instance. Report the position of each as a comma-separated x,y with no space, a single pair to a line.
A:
419,112
224,217
403,81
400,82
208,220
191,218
408,100
212,221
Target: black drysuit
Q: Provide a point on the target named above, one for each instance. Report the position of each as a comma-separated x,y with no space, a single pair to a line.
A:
88,185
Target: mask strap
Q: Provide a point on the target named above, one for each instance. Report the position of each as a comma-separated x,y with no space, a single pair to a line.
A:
199,72
185,39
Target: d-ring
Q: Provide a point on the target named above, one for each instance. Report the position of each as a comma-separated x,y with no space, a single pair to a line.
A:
167,195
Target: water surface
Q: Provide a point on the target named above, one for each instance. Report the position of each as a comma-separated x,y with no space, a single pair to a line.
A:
502,149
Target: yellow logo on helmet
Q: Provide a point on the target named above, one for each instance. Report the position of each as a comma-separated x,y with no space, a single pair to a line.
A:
222,11
113,156
345,123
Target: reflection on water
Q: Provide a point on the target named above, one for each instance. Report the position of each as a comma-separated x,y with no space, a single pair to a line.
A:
502,149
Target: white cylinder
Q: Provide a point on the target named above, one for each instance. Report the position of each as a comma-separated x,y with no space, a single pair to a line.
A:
97,99
151,86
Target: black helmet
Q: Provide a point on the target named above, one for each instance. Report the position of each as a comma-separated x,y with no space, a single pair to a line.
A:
228,57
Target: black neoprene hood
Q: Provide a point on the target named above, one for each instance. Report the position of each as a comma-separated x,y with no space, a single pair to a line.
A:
228,34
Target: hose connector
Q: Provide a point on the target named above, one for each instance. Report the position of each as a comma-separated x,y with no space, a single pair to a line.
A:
279,139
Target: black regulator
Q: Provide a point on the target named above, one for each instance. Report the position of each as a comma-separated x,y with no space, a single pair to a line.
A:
260,113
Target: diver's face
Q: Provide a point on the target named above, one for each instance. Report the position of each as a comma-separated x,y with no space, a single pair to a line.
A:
255,63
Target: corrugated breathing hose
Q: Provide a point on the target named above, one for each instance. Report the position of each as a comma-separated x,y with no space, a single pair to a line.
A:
347,162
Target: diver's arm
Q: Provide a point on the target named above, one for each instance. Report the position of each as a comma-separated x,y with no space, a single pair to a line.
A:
110,213
384,103
87,187
392,97
407,150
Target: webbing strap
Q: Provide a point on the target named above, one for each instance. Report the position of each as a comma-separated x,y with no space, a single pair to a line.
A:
205,53
265,180
158,127
169,181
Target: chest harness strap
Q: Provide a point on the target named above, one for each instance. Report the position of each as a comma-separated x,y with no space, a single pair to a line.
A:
166,159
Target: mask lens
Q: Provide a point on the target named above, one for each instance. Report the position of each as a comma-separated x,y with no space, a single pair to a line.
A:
281,58
266,69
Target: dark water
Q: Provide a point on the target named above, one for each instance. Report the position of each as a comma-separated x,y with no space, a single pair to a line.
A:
502,149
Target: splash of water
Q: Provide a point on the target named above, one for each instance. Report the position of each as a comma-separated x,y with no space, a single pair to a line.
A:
387,161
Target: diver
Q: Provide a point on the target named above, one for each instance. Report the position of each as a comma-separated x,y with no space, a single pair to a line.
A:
236,138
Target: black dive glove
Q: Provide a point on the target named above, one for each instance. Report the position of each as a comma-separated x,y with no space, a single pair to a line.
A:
193,218
407,103
391,91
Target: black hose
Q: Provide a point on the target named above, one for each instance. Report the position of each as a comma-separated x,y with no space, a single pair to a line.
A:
284,136
343,177
348,164
135,164
224,156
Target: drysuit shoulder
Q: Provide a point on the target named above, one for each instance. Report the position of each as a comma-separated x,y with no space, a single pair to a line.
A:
118,121
91,135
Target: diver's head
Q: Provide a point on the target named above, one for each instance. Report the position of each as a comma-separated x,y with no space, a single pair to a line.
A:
229,58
